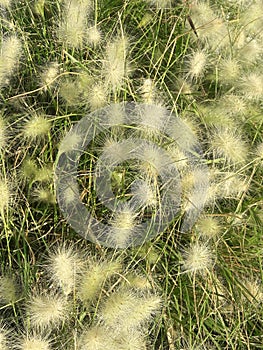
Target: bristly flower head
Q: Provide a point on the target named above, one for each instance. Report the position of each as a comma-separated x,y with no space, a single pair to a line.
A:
4,337
229,70
9,57
197,64
34,342
5,195
48,75
64,264
259,152
226,143
8,290
209,26
251,86
208,227
93,36
96,337
125,310
197,258
37,126
116,65
46,310
91,281
3,133
123,225
73,25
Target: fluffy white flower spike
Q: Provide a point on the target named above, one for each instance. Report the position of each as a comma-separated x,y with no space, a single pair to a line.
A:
197,258
47,310
11,51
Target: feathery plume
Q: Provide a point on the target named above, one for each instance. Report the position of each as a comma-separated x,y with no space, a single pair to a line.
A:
144,194
253,291
10,54
48,75
44,195
73,25
251,18
209,26
93,36
46,310
226,143
5,191
5,3
197,258
69,91
96,338
250,52
197,64
251,86
3,133
97,96
228,70
28,169
259,152
8,289
64,264
208,227
36,126
123,225
4,337
116,66
34,342
229,185
90,282
125,310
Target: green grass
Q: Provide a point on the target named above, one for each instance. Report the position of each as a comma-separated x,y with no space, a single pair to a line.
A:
215,309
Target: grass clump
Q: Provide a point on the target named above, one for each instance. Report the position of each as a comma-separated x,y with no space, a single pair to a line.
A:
62,60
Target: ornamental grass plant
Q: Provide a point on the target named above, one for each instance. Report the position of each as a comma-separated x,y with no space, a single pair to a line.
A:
196,68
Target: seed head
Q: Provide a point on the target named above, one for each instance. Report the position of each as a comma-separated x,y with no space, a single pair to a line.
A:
73,25
5,337
253,291
46,310
3,133
37,126
44,195
124,310
9,57
208,227
229,70
96,337
259,152
49,74
69,91
97,96
123,226
144,194
34,342
197,64
228,144
5,191
197,258
116,64
251,86
209,26
93,36
64,264
91,281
